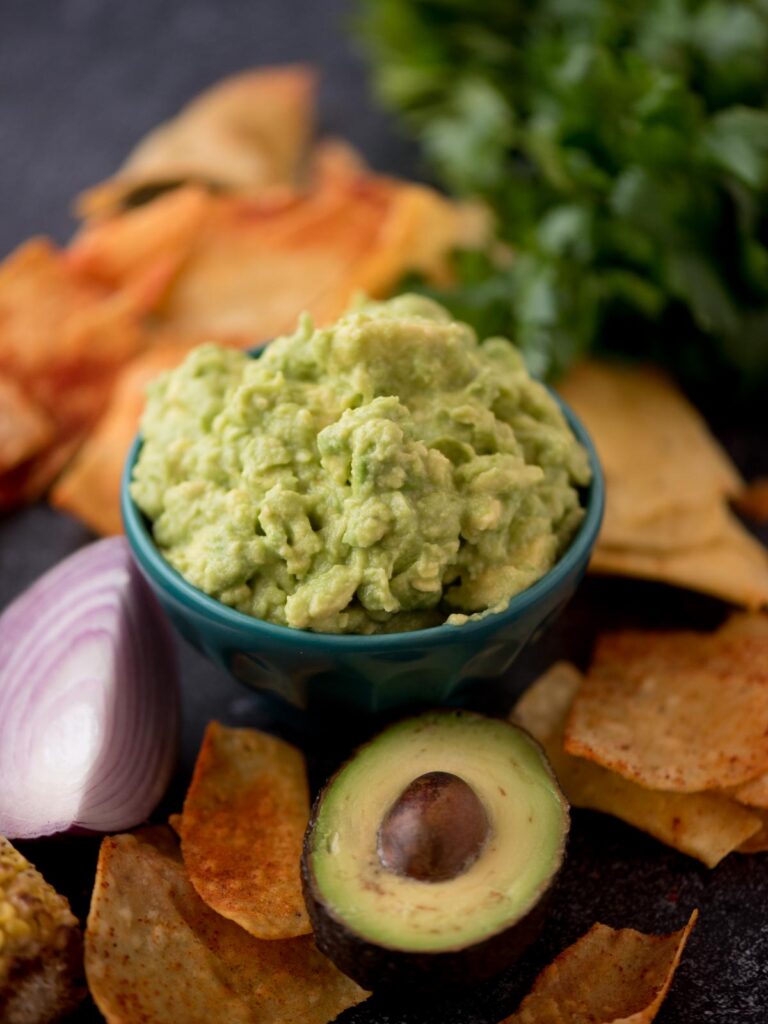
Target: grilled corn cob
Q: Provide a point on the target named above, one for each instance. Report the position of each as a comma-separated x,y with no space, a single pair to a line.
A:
40,945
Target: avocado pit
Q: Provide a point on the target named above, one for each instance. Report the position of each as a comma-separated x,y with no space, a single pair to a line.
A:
435,830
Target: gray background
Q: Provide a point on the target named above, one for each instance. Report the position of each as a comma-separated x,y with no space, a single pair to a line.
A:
80,81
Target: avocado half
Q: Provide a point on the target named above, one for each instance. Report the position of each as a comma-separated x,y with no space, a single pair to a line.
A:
429,854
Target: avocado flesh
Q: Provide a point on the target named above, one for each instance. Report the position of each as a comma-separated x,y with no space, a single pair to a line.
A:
528,818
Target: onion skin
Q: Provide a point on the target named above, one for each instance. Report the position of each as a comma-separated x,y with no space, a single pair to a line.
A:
89,698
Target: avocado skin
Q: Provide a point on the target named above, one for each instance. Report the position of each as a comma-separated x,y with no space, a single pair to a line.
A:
373,966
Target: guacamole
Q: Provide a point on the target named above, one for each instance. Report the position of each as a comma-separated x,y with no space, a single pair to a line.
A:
386,473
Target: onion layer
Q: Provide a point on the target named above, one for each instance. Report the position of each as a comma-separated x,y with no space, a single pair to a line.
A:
89,698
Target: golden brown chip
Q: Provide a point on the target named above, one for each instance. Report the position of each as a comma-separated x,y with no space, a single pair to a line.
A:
90,487
733,567
650,440
757,843
707,826
242,830
752,501
667,486
25,429
155,953
160,234
609,976
675,711
246,133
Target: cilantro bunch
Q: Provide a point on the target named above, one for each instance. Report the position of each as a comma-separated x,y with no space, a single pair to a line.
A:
623,147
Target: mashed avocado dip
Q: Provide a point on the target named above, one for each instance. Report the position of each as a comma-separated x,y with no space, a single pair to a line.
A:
385,473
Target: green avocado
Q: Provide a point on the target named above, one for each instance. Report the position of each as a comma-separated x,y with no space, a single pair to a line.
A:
429,854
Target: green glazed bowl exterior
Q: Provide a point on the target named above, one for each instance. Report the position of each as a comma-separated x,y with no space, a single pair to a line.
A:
373,674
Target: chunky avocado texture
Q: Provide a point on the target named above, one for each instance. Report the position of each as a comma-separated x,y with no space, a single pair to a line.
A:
429,854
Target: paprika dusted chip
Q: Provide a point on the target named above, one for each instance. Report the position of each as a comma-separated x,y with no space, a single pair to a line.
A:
609,976
90,487
154,952
25,429
707,826
675,711
63,338
242,830
160,234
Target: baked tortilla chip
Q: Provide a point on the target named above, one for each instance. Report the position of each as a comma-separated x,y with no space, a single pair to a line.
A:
242,830
668,483
63,339
258,266
706,826
25,429
757,843
155,953
160,234
675,711
733,566
652,443
90,487
53,322
609,976
246,133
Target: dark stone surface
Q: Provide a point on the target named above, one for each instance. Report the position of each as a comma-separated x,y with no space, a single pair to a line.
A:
80,80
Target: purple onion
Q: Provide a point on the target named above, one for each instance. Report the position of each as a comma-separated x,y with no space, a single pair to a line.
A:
89,698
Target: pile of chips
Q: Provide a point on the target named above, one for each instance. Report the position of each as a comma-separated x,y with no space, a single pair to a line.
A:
668,731
223,225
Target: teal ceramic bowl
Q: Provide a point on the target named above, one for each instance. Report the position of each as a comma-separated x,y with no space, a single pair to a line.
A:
366,673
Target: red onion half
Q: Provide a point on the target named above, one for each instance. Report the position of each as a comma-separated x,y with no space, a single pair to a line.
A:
89,698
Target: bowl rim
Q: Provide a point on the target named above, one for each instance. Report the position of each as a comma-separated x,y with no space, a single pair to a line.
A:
170,580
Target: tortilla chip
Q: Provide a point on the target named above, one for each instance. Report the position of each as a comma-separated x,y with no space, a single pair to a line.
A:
160,234
31,479
757,843
675,711
336,160
246,133
651,441
258,266
155,952
667,486
52,321
706,826
242,830
734,567
752,501
90,487
421,230
25,429
63,339
609,976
